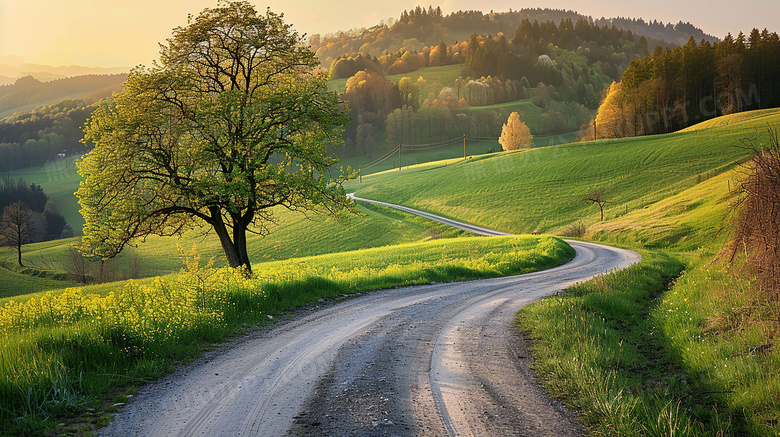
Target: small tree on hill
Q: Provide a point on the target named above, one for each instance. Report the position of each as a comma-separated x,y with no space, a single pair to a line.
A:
515,134
19,225
597,197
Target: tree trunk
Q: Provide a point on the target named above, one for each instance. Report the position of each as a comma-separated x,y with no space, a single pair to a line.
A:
239,240
228,245
19,251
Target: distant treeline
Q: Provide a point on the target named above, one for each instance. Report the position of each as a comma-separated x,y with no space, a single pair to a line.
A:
29,139
673,89
421,27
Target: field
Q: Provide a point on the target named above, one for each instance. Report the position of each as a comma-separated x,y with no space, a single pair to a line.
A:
294,235
59,181
506,188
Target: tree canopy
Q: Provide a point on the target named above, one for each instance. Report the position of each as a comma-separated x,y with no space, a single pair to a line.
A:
515,134
230,123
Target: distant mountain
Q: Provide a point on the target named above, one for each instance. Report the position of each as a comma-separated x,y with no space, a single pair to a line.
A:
9,73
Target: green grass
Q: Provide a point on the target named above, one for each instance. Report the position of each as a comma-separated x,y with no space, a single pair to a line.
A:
633,357
687,221
596,347
765,116
61,351
723,335
59,181
293,236
637,359
14,282
410,157
541,190
530,114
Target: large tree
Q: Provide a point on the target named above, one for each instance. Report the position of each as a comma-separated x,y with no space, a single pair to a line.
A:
230,123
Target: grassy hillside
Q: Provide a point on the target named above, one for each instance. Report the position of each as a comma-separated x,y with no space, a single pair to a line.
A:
541,190
673,347
59,181
763,117
293,236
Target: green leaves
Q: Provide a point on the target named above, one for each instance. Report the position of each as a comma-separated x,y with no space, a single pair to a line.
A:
231,123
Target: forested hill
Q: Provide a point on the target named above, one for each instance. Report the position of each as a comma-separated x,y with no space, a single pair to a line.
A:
429,79
428,27
28,92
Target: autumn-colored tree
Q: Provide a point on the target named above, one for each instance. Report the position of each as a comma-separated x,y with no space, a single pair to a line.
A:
515,134
439,55
617,116
232,122
18,226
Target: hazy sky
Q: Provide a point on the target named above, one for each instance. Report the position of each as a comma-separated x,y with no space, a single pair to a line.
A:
113,33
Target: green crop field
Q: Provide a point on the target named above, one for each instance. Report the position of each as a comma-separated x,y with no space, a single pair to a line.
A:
541,190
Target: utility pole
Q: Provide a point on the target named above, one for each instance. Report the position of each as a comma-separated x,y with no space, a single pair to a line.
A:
399,157
464,147
360,173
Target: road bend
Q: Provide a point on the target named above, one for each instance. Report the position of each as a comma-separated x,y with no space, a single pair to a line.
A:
439,359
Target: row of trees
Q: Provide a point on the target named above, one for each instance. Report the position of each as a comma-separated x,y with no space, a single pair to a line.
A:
401,62
673,89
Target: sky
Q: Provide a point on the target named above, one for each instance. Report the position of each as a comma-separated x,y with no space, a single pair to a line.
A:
122,33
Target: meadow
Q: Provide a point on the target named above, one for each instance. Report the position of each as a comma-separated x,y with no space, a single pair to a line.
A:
60,352
292,235
542,190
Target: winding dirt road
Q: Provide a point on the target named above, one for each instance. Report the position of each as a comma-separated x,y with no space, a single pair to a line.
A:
439,359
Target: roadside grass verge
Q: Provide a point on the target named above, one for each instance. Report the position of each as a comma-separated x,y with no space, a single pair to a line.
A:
60,353
636,358
723,333
595,346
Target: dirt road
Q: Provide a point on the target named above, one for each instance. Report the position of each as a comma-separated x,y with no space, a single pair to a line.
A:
439,359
